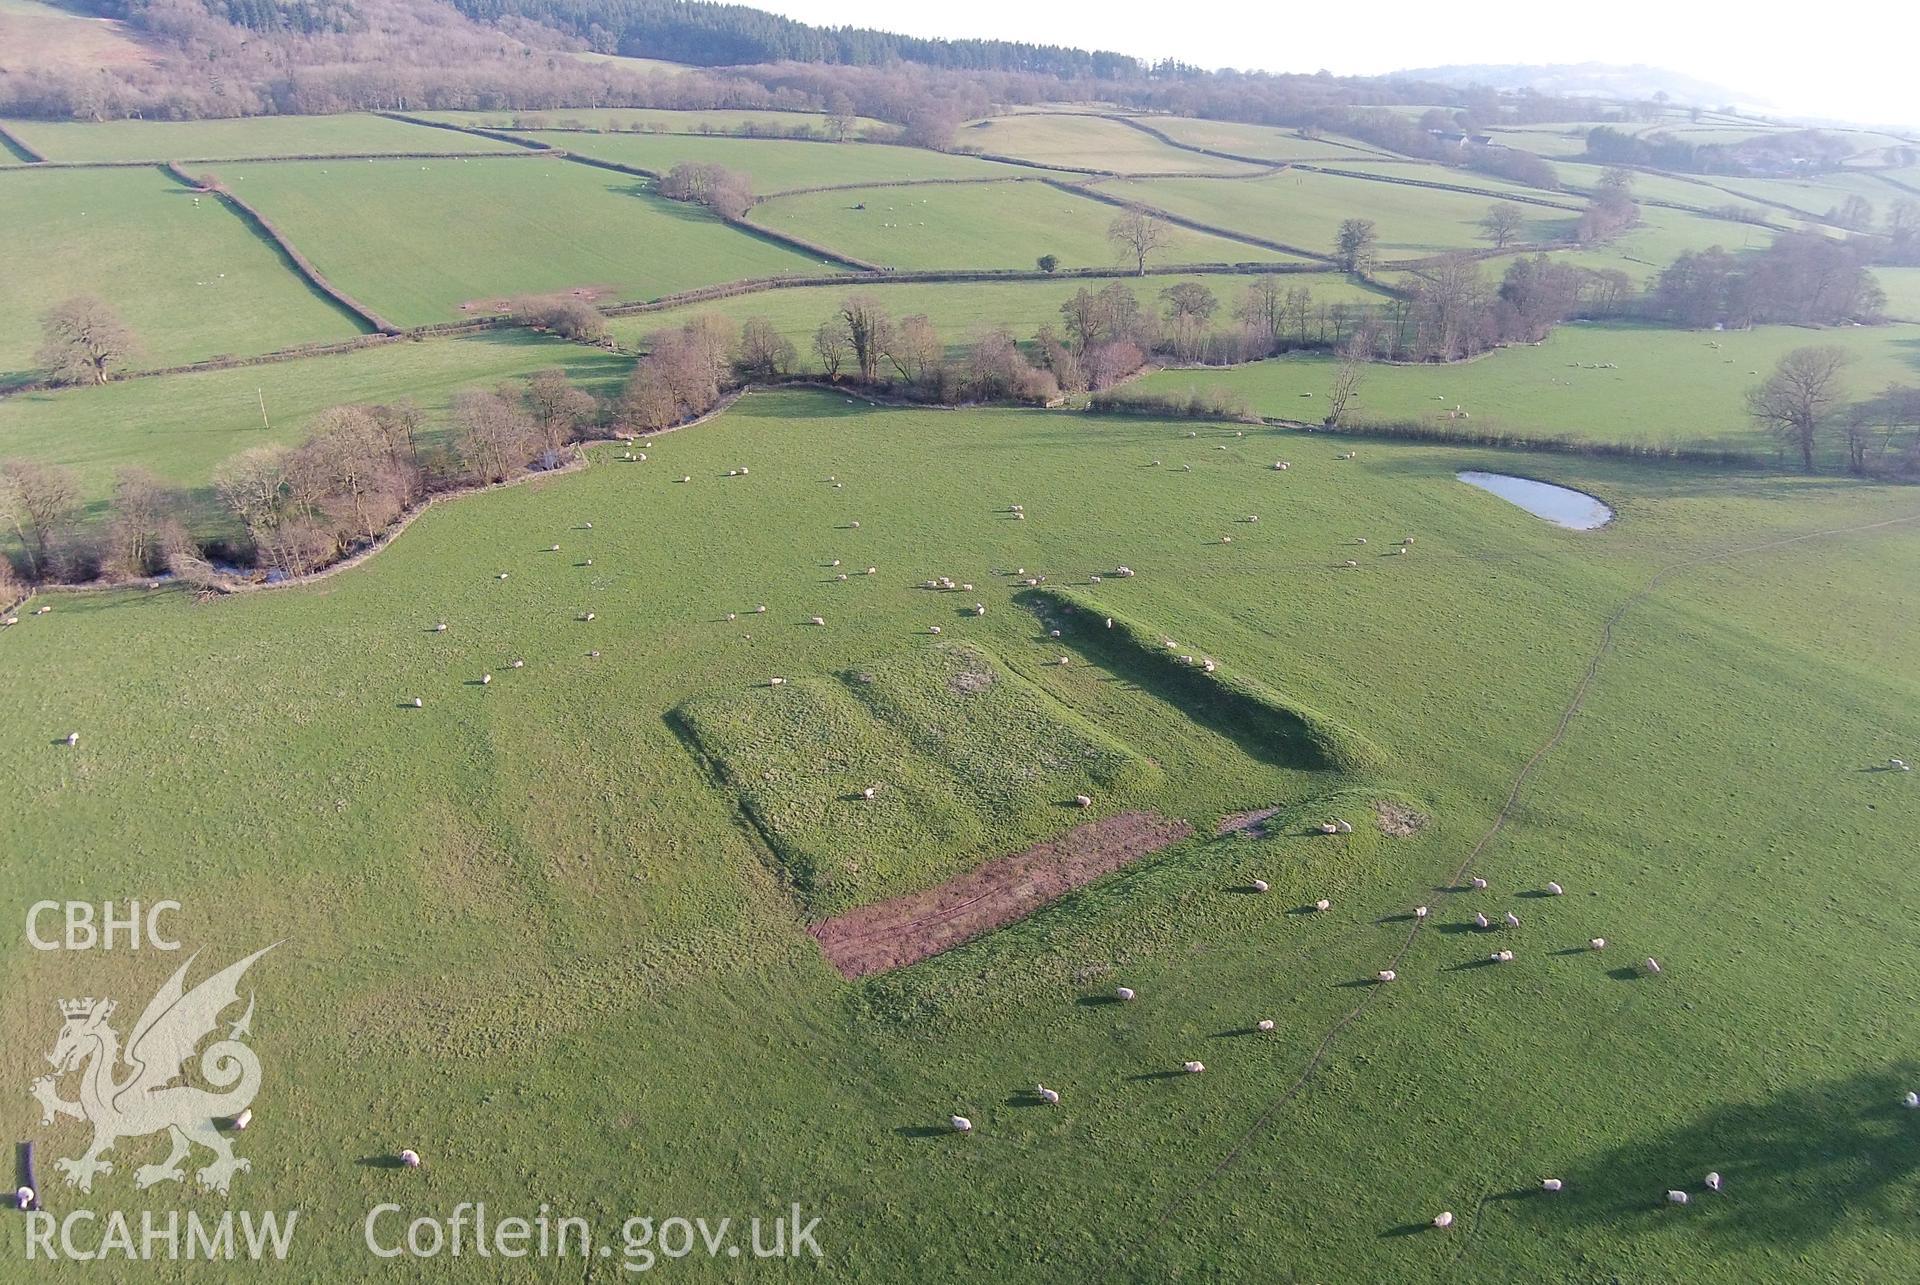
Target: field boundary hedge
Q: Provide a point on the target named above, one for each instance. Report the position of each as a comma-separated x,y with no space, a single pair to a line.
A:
301,265
1513,440
1181,220
12,142
477,131
1171,141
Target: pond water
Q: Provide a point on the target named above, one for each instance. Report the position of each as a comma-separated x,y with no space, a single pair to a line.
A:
1575,510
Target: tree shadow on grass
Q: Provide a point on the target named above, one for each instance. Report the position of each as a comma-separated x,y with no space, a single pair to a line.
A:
1798,1166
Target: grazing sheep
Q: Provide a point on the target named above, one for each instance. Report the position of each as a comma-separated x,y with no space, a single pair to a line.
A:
933,629
1281,466
1513,920
1350,563
873,571
776,682
1124,994
1554,889
1264,1024
731,616
594,655
1193,1068
1082,801
685,478
519,664
760,610
1323,904
23,1197
1259,885
42,610
1398,552
1360,539
73,738
588,616
1502,957
1063,660
1226,539
1386,975
979,608
1551,1184
1207,665
1911,1100
12,620
1049,1096
1344,827
1898,764
854,525
1444,1219
1419,912
1125,573
816,620
1479,883
1093,579
503,575
1652,966
418,703
410,1158
485,679
841,576
1406,539
1021,516
1053,633
1713,1182
834,563
440,628
1349,455
869,792
1677,1197
1186,468
960,1124
244,1119
1481,921
1109,622
1597,943
553,548
743,472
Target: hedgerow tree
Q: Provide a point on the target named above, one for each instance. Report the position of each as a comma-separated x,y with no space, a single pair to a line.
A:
1356,244
1799,398
1137,235
83,341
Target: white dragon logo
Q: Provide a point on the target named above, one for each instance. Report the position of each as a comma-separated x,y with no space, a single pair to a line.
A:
147,1099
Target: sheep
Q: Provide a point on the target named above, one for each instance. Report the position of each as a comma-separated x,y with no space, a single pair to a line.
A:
1554,889
1193,1068
816,620
595,655
1677,1197
685,478
1399,552
1207,665
1281,466
1264,1024
1501,957
1186,468
1386,975
553,548
486,679
979,608
1259,885
1062,661
1349,455
1322,905
960,1124
519,664
244,1119
1349,563
834,563
23,1196
1053,633
588,616
1124,573
1109,622
1551,1184
1328,827
410,1158
1443,1219
1481,921
842,576
1406,539
869,792
440,628
1360,539
731,616
1093,579
1513,920
1911,1100
743,471
760,610
1082,801
1597,943
873,571
933,629
1226,539
854,525
1420,912
73,738
1191,433
502,576
1652,966
1021,516
418,703
1479,883
43,609
1124,994
1899,765
776,682
1049,1096
1344,827
1713,1182
11,620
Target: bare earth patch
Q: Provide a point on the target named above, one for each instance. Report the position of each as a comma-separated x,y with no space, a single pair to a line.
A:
1397,819
503,303
1245,822
905,930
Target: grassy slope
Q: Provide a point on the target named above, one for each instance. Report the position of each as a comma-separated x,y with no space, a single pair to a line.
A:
45,37
961,309
182,426
1001,225
593,963
1306,209
150,140
644,119
777,166
1260,141
1668,387
136,239
1086,142
416,239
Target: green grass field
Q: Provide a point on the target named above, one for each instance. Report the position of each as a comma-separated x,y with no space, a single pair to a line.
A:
523,923
778,166
657,120
155,140
192,281
1305,209
1667,387
416,240
1086,142
962,309
1261,142
1000,225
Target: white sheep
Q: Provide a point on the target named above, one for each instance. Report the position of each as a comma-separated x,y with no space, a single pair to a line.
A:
960,1124
1109,622
1419,912
244,1119
1049,1096
1443,1219
440,628
1053,633
933,629
23,1197
1551,1184
1207,665
873,571
11,620
1344,827
1479,883
485,679
410,1158
1900,764
1361,539
418,703
503,575
1480,921
979,608
1093,579
1911,1100
1193,1068
1082,801
1502,957
1386,975
834,563
553,548
731,616
1226,539
685,478
854,525
1281,466
1259,885
1328,827
1713,1182
842,576
1264,1024
760,610
776,682
1513,920
1652,966
1062,661
1123,572
743,471
869,792
1323,904
816,620
1554,889
1597,943
1677,1197
588,616
519,664
1124,994
1349,563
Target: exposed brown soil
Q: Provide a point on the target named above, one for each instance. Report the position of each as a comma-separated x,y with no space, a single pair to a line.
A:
1399,820
905,930
503,303
1245,822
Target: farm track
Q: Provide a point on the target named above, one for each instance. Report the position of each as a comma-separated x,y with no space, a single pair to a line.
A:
1521,779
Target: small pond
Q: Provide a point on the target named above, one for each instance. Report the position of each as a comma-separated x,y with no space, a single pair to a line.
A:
1575,510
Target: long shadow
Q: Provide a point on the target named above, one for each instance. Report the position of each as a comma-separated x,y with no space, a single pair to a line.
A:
1799,1166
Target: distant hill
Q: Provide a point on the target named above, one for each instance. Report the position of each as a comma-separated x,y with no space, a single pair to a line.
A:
1637,83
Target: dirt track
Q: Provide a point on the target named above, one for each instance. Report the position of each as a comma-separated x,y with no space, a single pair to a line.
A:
910,928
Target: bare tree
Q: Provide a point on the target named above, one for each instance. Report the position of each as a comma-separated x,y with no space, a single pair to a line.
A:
915,351
83,341
1357,244
496,436
1503,223
41,501
559,409
1799,397
867,329
1137,235
1347,376
830,346
765,353
1259,311
138,516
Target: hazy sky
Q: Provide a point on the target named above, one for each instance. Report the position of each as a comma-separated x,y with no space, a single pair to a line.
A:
1861,67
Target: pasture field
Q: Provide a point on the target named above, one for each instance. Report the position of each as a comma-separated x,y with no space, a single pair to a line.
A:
1814,196
417,240
1555,142
1667,387
961,309
1660,236
777,165
192,281
655,120
1262,142
999,225
244,139
525,931
1903,291
181,427
1486,186
1304,209
45,36
1087,142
